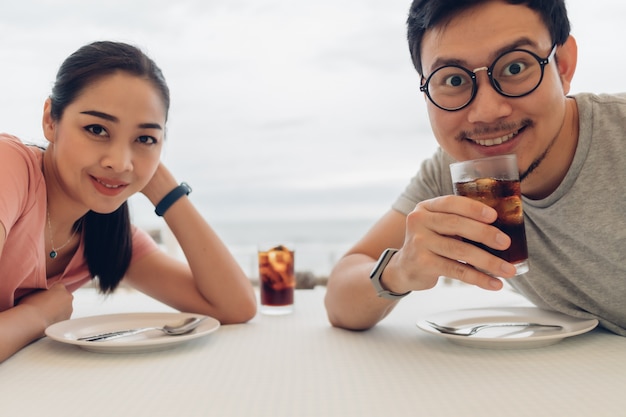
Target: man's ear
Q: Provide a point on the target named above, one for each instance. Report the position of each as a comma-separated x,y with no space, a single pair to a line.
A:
48,123
566,59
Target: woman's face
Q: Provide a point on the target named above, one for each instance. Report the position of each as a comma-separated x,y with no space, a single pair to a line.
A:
107,144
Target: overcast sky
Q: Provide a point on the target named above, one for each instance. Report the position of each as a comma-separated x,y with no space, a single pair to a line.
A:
317,96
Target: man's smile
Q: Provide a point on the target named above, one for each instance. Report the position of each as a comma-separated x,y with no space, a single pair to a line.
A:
495,141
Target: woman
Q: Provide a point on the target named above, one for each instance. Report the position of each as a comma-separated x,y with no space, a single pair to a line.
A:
63,211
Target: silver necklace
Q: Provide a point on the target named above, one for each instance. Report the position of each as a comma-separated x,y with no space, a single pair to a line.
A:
55,251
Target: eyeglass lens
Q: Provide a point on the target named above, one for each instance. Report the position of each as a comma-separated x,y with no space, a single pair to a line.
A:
513,74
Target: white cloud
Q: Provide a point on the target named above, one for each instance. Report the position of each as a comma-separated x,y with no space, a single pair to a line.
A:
323,90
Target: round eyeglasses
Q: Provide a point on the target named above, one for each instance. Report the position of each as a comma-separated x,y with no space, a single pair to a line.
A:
515,73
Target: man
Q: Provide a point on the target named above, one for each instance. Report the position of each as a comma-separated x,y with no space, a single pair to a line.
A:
571,155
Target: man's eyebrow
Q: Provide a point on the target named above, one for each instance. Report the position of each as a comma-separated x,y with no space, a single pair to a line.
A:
518,43
112,118
521,42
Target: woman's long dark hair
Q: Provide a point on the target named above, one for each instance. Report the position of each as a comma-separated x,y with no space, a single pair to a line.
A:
107,237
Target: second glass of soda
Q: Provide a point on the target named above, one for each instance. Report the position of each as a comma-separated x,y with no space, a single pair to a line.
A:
277,280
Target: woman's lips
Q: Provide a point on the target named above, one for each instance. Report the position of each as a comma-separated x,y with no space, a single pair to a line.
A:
108,187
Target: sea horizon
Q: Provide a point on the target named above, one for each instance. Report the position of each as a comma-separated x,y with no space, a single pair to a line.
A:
318,243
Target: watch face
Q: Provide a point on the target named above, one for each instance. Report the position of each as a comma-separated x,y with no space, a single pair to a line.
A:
377,273
382,262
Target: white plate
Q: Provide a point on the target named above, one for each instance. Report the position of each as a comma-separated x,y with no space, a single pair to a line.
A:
509,338
69,331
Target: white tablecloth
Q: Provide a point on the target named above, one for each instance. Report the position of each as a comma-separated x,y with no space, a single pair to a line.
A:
298,365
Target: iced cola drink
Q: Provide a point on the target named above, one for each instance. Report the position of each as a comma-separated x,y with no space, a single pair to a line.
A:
276,279
495,182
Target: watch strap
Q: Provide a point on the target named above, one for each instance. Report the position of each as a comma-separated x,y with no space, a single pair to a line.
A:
377,273
171,198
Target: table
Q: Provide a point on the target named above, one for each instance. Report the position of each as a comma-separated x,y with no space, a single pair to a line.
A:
298,365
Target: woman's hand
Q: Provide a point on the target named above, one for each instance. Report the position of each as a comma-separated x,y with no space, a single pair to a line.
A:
161,183
211,282
28,320
52,305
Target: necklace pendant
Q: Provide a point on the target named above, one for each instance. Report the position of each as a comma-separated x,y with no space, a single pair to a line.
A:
53,254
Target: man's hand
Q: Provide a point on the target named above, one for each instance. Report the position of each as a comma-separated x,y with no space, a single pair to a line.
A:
434,247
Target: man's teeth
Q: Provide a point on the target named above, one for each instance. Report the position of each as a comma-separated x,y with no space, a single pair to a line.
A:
495,141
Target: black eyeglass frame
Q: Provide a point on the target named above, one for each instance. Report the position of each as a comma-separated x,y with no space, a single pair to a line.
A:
472,74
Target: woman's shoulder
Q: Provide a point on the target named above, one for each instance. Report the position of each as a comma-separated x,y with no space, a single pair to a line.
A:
11,141
22,185
12,147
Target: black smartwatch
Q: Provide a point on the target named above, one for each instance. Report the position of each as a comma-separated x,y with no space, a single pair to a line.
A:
171,198
377,272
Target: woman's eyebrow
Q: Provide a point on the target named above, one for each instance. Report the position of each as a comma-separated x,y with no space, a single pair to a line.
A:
112,118
101,115
150,126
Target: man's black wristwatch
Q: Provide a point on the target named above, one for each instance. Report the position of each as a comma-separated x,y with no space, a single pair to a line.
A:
377,272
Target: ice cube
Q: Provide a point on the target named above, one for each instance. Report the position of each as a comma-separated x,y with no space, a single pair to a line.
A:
510,210
485,185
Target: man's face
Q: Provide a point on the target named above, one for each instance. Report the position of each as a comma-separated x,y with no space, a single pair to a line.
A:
493,124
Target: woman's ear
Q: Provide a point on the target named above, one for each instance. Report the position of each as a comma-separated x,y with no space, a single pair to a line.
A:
566,59
48,123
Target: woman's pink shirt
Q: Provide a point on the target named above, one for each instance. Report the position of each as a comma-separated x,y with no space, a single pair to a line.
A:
23,204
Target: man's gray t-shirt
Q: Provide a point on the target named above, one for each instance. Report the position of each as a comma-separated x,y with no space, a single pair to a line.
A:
577,235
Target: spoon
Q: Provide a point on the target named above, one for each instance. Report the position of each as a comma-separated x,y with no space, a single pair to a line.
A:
468,331
187,326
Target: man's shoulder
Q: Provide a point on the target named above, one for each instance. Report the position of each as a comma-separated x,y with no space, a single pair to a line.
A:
601,98
440,157
605,110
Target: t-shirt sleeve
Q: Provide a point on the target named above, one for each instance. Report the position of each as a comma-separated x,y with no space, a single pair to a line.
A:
17,167
143,244
432,180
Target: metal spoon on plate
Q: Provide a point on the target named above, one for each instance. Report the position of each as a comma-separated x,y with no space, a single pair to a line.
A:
187,326
471,330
